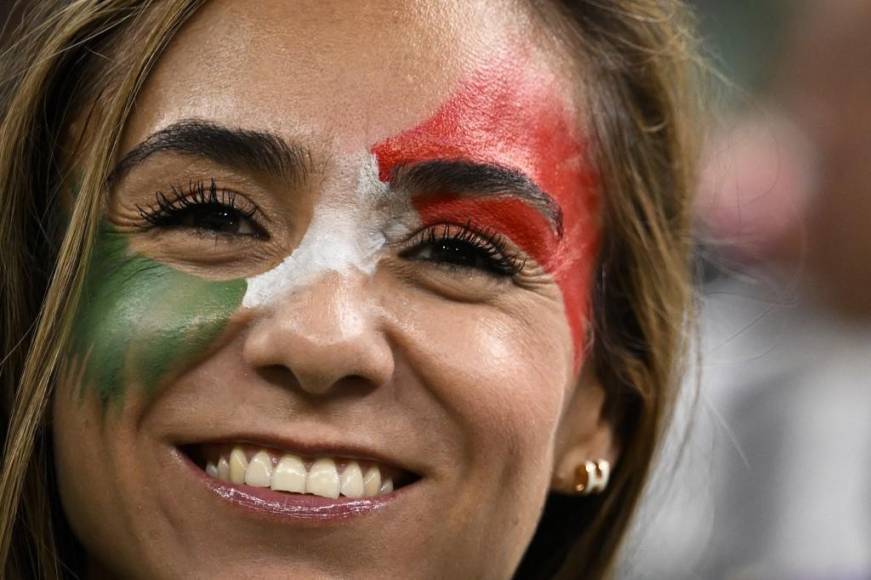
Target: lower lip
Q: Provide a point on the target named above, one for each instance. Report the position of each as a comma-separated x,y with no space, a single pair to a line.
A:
313,508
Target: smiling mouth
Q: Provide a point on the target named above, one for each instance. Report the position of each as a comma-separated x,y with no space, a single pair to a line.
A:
294,474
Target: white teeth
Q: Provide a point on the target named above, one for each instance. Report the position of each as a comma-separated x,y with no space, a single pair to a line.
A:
223,469
238,465
323,479
259,471
289,475
351,480
372,481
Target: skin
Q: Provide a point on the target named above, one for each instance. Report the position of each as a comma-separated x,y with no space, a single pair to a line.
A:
120,295
469,380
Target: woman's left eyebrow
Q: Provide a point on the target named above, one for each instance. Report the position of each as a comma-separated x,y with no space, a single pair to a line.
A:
463,178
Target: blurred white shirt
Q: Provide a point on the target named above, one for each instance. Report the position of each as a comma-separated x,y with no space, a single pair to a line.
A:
774,479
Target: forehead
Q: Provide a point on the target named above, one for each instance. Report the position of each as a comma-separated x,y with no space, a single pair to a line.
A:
342,75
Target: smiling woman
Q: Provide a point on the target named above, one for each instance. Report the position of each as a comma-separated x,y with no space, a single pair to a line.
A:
329,289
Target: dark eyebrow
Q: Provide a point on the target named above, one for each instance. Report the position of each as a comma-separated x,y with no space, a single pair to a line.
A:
470,178
241,148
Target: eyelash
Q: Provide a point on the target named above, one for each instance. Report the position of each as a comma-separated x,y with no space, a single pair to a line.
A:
489,246
466,247
170,211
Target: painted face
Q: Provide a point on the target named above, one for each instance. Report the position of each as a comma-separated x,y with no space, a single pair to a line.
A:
337,305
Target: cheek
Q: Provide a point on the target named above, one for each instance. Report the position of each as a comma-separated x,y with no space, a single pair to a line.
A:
94,466
502,373
567,260
84,467
139,321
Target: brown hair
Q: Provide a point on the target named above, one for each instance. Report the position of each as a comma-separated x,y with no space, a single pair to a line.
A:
68,63
638,58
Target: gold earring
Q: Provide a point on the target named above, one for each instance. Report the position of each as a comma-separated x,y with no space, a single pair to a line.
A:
592,477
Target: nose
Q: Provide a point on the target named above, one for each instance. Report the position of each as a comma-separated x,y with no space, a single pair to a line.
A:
326,334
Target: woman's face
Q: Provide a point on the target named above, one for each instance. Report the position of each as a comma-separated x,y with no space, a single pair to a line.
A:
337,307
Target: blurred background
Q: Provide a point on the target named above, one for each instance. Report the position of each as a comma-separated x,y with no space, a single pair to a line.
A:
767,471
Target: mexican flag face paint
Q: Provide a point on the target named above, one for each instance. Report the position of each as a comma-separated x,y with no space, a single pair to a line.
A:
139,320
347,233
507,115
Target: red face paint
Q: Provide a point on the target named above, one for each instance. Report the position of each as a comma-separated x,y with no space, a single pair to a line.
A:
508,115
521,223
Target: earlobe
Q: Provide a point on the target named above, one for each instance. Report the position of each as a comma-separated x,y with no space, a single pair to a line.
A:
586,450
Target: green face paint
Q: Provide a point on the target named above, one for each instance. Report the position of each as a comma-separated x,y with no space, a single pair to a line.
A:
139,320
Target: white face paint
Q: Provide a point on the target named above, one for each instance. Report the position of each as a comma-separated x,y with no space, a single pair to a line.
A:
347,233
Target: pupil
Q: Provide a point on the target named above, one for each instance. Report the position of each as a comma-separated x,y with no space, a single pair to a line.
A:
458,253
217,219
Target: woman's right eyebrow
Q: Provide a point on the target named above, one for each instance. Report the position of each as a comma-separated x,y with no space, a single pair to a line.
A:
245,149
473,179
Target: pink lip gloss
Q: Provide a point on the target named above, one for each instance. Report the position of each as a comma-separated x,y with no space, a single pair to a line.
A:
292,505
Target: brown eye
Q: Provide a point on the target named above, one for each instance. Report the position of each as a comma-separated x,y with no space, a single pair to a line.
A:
461,247
204,209
217,218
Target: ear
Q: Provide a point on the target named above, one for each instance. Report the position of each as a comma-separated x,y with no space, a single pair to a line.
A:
584,434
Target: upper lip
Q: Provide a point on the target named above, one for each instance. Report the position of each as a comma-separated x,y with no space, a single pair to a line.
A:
309,448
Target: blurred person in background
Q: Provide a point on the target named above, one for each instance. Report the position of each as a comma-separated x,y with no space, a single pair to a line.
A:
770,476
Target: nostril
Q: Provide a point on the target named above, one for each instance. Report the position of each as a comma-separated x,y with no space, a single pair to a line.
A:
278,375
353,386
320,348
